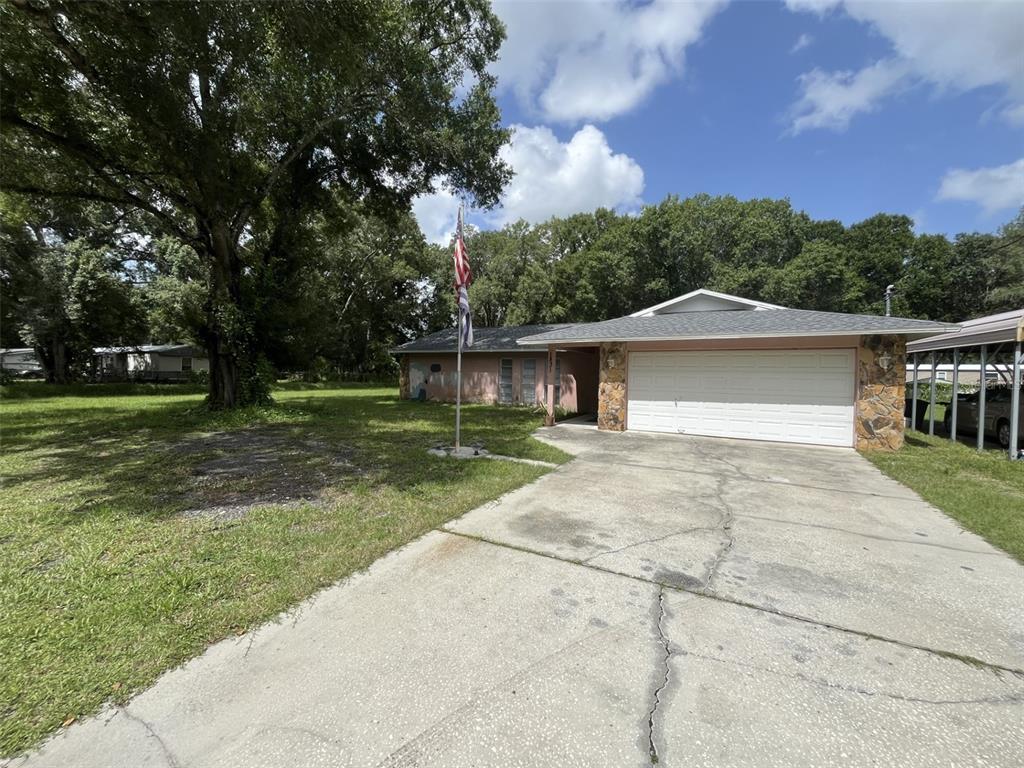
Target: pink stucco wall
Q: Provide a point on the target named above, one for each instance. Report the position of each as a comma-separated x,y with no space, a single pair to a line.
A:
481,372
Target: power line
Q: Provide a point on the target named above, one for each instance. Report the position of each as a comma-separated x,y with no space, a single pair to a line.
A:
1006,244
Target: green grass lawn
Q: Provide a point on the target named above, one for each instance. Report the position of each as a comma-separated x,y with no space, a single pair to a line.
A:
105,583
982,491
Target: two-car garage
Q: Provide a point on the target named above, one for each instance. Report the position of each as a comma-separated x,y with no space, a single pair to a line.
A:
707,363
787,395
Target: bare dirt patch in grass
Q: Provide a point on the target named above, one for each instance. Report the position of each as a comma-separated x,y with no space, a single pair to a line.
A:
252,468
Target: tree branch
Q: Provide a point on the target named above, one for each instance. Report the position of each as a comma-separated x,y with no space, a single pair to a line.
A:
44,22
242,217
92,157
126,198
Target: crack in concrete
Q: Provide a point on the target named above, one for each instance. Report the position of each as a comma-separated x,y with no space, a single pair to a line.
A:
252,639
723,551
172,760
1013,698
725,522
916,542
656,698
753,478
964,658
653,540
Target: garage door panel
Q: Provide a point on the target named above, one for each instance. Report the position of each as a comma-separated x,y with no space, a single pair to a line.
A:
801,396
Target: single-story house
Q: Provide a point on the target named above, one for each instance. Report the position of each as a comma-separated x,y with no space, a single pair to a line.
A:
497,370
704,363
150,362
968,373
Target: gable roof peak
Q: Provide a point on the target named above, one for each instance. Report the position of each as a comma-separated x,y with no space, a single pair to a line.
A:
703,300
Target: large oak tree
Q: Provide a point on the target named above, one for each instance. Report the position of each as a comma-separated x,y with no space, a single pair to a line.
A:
226,120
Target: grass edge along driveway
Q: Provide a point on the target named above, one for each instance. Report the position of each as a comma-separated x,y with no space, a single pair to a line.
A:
982,491
104,584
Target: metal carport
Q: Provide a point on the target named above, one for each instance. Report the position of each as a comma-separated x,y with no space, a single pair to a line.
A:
996,341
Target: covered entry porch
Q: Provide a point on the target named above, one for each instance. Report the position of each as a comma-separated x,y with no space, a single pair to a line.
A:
570,382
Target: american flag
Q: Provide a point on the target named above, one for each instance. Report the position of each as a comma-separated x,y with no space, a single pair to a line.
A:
463,277
463,274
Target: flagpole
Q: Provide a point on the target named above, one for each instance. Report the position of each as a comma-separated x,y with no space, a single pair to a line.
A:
458,387
458,359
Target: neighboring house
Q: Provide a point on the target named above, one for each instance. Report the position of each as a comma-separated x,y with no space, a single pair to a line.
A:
705,363
20,362
970,373
497,370
150,362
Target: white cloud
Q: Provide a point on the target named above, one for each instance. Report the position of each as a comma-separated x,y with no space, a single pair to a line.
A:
832,99
950,45
994,189
801,42
1014,114
920,219
819,7
553,178
436,215
572,61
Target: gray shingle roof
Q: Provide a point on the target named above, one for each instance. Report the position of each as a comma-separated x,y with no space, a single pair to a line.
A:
484,339
736,324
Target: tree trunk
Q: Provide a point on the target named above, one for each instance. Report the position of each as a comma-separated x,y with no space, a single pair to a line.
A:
226,343
54,359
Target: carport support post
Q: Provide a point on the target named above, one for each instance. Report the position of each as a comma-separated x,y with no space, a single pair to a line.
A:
1015,402
549,417
913,401
931,400
956,391
981,398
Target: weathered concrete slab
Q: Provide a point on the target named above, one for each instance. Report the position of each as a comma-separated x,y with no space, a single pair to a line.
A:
747,688
636,602
816,532
450,652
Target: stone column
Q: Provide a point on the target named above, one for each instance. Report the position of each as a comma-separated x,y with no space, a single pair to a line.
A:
403,377
881,392
611,391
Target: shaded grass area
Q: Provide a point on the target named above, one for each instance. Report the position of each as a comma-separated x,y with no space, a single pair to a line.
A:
104,585
982,491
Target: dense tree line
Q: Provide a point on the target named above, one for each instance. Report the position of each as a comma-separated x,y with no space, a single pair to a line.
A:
239,176
244,130
599,265
356,283
81,277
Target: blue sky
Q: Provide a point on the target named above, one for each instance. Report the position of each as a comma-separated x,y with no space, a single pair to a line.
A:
846,108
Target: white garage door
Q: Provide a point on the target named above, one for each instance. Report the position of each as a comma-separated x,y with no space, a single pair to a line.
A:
794,396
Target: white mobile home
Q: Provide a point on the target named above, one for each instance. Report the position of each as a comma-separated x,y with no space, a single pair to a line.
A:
150,362
20,362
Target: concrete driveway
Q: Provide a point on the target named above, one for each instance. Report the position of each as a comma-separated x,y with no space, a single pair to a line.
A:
690,601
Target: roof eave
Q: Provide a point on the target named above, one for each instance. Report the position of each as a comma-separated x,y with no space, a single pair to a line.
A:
532,341
450,351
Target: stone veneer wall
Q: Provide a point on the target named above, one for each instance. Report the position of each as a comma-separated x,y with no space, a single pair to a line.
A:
881,391
611,390
403,377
